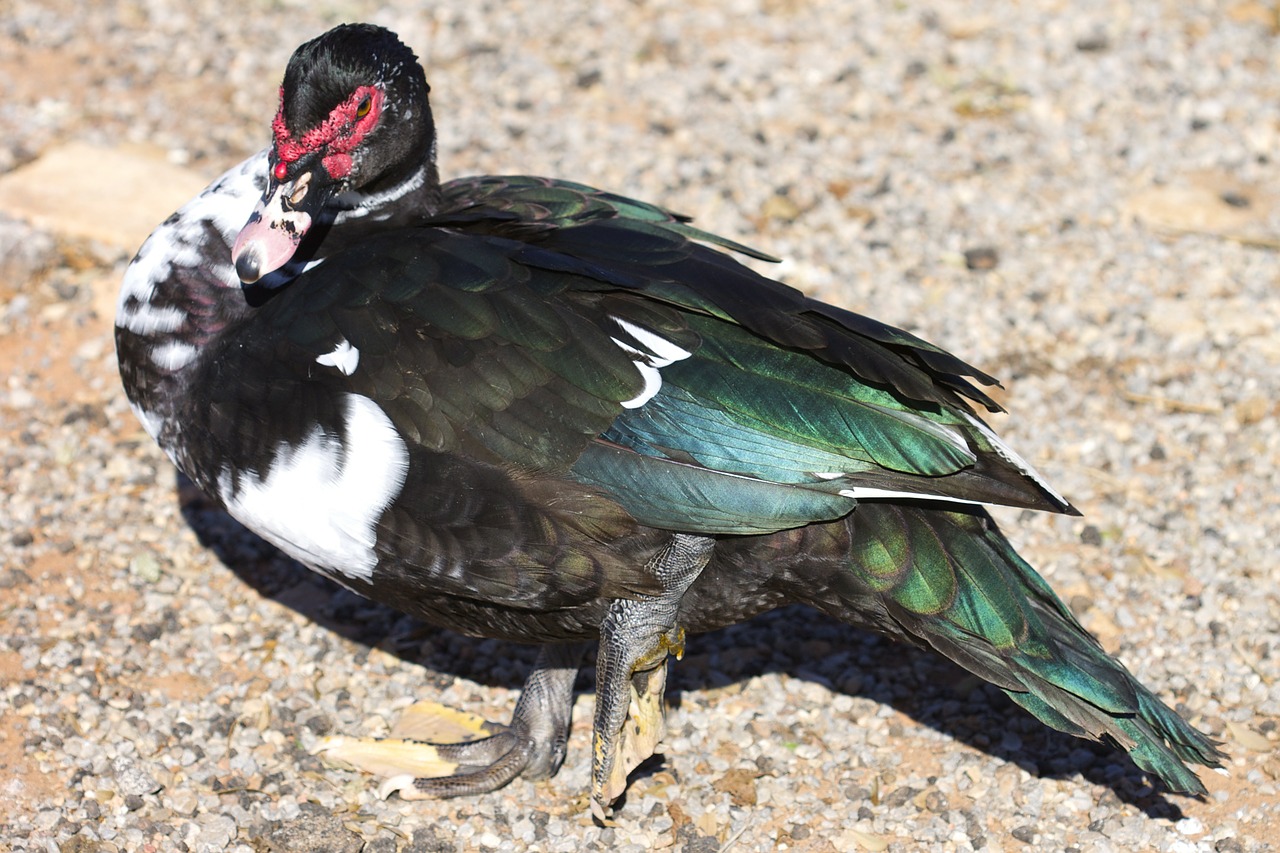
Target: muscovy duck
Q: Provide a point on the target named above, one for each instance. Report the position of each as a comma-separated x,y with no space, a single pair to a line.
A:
528,409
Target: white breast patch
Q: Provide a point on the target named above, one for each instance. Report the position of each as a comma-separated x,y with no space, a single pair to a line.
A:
321,500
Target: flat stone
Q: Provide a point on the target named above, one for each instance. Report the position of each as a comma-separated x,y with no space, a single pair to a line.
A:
115,196
1206,204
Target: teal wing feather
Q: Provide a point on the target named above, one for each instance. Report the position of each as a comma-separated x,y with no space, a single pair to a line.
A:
776,388
953,583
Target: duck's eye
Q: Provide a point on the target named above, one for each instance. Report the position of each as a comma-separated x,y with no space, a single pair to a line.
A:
364,106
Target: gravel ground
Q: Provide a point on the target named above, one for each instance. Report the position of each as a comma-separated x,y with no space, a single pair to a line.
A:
1080,198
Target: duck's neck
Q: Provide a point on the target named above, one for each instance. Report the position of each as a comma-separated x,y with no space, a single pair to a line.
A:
415,197
410,201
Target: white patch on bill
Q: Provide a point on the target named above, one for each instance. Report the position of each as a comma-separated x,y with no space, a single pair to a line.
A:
320,500
661,352
344,356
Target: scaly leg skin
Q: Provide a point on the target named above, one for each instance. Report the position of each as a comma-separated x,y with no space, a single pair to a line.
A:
635,639
478,756
643,728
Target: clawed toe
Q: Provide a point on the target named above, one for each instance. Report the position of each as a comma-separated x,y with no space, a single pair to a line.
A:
435,751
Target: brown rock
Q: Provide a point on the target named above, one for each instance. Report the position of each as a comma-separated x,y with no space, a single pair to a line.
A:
115,196
740,784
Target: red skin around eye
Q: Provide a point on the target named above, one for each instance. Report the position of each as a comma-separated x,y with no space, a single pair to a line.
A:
337,135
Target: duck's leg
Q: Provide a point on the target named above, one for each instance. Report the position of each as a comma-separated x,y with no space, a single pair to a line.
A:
479,756
635,639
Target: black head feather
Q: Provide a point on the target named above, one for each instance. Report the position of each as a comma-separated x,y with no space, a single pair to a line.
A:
325,71
328,71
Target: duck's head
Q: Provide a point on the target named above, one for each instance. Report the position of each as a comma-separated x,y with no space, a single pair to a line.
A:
353,138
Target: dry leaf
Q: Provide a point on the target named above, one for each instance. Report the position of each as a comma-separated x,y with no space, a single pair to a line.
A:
867,840
1248,738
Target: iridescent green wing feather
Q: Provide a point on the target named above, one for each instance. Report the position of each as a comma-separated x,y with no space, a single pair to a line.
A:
953,583
778,388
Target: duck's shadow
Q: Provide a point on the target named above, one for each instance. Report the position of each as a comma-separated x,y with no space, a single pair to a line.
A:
796,641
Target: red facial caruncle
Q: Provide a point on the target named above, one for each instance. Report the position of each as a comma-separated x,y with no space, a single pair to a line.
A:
338,135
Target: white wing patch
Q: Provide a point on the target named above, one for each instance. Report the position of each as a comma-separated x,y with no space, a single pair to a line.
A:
864,493
345,357
661,352
321,500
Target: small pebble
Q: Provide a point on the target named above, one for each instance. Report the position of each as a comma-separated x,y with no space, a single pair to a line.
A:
982,258
132,779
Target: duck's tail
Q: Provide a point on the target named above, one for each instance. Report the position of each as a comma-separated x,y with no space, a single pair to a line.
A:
950,581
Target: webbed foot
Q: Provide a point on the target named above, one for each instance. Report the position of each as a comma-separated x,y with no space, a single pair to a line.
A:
436,752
